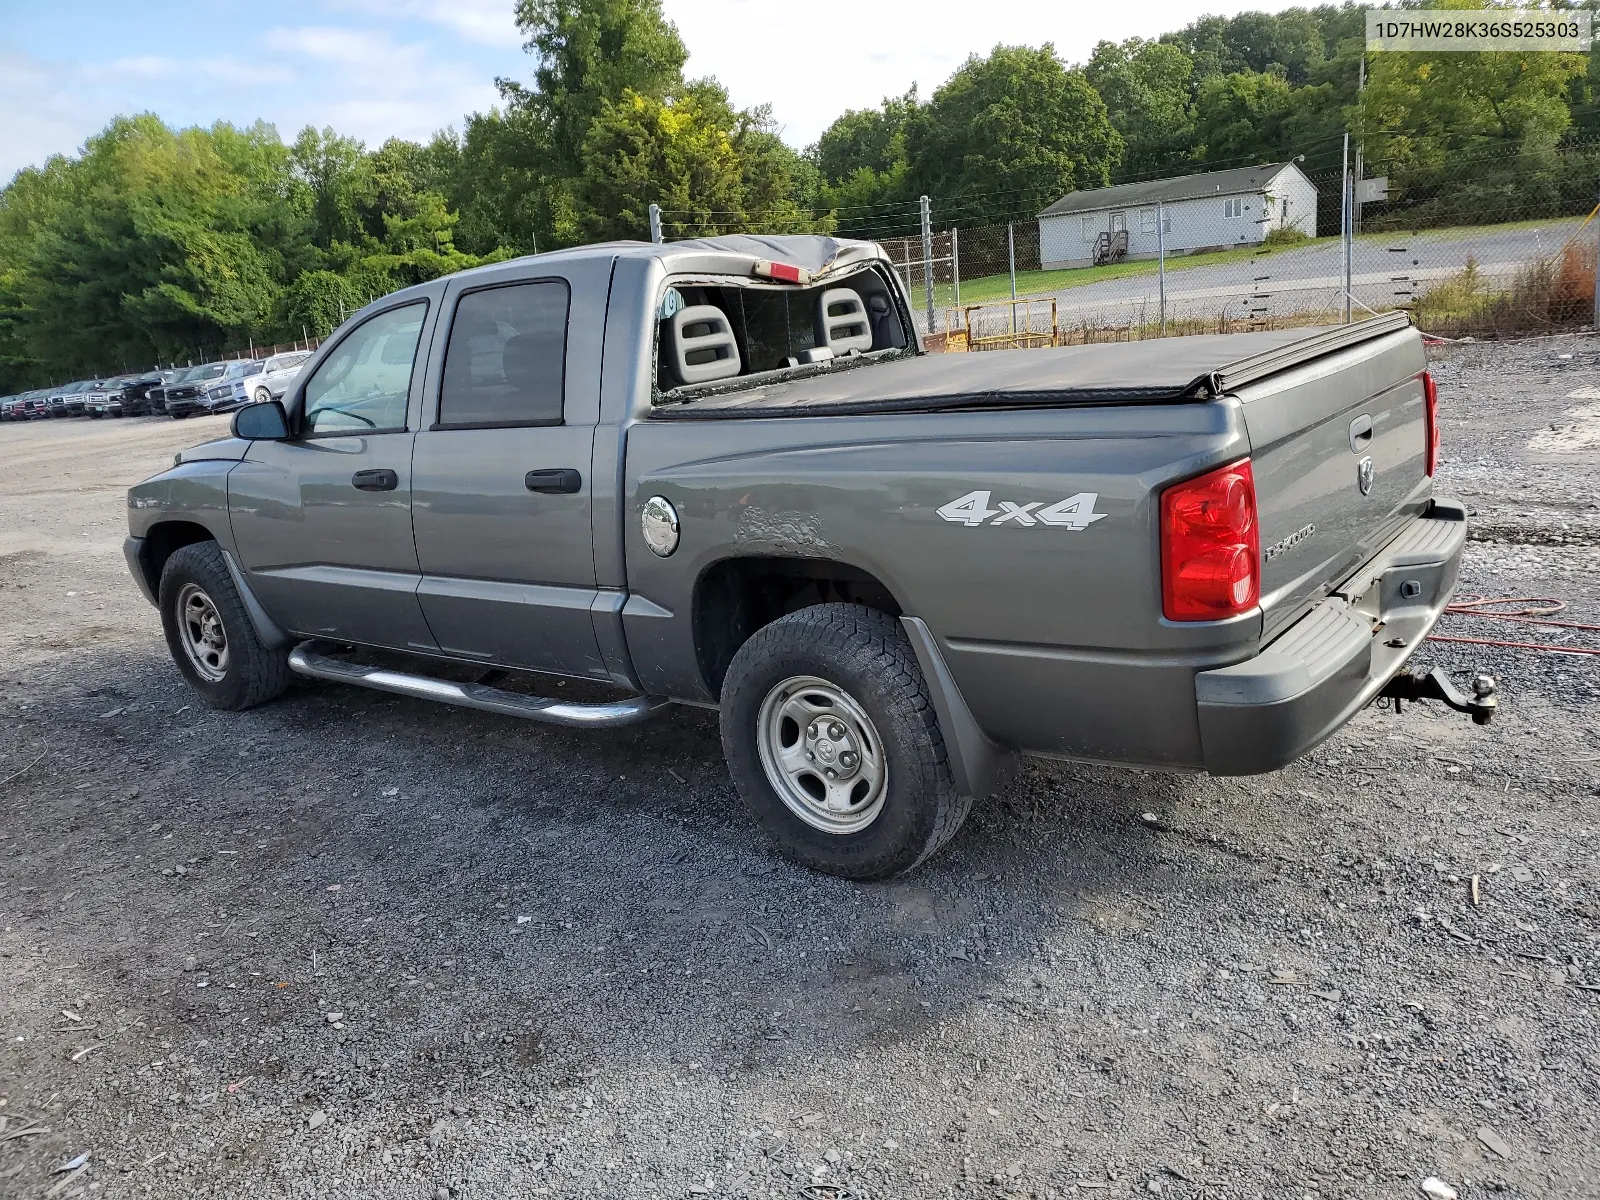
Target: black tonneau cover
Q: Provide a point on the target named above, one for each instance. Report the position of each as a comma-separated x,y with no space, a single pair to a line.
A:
1156,370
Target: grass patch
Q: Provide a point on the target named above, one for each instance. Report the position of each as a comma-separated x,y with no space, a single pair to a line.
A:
1553,293
1033,283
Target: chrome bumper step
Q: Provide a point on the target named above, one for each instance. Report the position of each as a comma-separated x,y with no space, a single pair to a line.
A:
304,660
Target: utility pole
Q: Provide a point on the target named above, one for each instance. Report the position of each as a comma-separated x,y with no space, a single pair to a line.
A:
955,262
1361,162
1345,236
655,223
1011,254
927,255
1161,261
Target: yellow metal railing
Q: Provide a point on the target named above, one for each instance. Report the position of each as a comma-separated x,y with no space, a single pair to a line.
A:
1029,323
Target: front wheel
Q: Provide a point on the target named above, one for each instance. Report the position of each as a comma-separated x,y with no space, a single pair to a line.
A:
262,396
832,741
210,635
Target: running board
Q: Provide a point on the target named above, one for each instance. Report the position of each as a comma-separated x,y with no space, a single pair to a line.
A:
304,660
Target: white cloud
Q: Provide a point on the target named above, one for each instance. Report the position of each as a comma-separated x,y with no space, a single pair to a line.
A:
51,115
489,22
362,82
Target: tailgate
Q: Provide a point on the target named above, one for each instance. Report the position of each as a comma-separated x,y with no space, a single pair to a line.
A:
1339,454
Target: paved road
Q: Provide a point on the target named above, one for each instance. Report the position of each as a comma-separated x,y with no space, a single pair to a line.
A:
1385,272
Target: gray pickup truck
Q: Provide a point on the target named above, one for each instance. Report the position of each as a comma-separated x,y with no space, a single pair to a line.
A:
723,473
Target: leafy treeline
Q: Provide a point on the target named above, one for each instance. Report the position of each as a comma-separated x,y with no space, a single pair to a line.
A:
159,245
1223,91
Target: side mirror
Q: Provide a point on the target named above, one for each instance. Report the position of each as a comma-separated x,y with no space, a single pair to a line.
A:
264,422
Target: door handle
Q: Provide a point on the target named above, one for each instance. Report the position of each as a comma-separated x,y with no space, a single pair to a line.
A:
553,481
1360,433
381,479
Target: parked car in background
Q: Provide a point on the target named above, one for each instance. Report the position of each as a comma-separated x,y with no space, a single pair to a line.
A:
185,395
278,374
234,389
35,407
8,407
67,400
105,398
142,393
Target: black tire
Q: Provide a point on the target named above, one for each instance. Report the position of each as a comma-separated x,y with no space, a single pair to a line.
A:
252,673
864,653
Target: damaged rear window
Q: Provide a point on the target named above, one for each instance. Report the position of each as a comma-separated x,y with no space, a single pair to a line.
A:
714,337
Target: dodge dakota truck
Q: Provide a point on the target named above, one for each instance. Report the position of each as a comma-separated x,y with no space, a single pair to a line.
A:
724,473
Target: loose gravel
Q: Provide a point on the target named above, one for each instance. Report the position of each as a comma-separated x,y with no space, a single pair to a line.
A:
354,945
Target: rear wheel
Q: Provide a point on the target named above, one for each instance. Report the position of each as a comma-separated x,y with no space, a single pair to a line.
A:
210,635
832,741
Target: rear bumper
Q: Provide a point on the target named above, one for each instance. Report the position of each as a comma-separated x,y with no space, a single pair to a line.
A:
1267,711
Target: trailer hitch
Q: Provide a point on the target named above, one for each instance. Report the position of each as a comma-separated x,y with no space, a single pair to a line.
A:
1436,685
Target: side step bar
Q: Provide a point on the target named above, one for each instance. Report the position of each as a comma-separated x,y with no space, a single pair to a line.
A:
304,660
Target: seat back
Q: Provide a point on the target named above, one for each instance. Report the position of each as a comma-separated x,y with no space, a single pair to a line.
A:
842,322
703,346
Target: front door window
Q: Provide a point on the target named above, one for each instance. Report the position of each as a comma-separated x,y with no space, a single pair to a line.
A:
363,385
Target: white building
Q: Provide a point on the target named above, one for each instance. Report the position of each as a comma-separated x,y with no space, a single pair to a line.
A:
1214,211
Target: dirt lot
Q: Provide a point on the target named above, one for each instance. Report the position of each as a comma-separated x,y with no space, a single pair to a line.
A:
347,945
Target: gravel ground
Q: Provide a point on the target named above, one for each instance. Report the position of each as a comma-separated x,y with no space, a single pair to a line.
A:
350,945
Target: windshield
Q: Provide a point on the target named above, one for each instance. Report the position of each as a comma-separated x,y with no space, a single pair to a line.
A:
205,371
714,337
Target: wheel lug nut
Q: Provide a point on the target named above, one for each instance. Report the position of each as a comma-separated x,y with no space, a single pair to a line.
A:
836,731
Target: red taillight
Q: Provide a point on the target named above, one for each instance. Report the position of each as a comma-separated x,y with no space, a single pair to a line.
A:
1210,547
1430,403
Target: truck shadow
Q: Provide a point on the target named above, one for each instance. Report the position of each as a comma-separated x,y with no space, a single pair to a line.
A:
483,894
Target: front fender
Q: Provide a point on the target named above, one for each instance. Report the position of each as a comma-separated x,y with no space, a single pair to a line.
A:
192,492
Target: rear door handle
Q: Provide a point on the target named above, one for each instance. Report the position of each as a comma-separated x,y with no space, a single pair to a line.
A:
1360,433
380,479
553,481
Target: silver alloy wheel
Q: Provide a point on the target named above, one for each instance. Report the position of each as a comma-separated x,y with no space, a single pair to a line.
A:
200,630
262,395
822,755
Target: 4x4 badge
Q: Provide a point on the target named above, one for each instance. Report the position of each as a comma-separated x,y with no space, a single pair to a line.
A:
1075,512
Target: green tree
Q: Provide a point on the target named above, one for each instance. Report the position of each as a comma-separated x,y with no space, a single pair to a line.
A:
1147,89
1010,133
589,53
1242,117
1472,137
873,138
334,178
711,168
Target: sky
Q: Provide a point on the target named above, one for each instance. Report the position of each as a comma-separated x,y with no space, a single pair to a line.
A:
376,69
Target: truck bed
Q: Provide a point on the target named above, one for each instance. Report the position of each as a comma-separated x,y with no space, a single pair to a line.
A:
1156,371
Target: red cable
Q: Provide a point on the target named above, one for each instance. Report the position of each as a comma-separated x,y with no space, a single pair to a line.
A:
1440,637
1536,608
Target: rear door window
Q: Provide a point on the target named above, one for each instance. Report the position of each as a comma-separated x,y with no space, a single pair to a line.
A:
506,360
